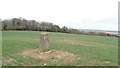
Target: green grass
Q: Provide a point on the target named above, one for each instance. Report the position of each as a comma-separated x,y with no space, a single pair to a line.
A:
92,50
0,49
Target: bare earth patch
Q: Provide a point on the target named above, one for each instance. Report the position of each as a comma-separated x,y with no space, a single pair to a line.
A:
53,55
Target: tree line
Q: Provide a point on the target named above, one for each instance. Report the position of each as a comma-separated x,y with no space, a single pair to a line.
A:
32,25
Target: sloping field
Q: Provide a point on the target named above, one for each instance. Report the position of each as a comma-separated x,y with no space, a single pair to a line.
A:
19,49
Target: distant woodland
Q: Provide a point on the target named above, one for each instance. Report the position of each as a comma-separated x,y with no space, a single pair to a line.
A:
32,25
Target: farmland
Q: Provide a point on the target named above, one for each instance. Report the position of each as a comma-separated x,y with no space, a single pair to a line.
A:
83,50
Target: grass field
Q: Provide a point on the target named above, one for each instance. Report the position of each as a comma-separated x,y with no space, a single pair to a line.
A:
89,50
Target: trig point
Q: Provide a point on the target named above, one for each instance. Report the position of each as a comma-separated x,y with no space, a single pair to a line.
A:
44,42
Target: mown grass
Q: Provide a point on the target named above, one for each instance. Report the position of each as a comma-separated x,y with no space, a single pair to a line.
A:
14,42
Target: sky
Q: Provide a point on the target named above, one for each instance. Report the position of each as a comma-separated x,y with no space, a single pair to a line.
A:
78,14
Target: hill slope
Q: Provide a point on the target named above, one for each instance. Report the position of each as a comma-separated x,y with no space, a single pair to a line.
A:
89,50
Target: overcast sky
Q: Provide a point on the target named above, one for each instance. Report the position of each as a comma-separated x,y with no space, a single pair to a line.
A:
80,14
